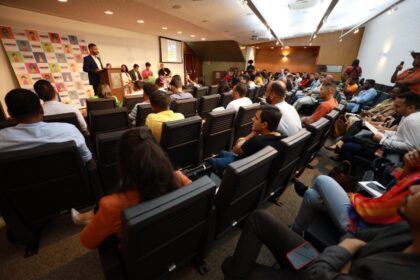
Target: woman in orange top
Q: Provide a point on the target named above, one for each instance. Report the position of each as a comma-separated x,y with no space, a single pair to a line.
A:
146,173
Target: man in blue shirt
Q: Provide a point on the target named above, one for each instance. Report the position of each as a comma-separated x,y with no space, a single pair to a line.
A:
24,106
364,98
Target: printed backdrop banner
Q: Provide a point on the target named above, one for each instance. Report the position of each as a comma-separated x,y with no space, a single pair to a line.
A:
58,58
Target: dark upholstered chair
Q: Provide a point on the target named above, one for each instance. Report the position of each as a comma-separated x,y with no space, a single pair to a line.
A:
187,107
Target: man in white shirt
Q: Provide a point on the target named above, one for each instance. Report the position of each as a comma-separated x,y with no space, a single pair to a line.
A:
24,106
52,106
239,98
249,82
290,122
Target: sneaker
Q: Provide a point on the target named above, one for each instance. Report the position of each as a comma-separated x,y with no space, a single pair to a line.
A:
300,188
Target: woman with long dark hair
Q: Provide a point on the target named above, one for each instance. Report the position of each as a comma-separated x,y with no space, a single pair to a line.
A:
146,173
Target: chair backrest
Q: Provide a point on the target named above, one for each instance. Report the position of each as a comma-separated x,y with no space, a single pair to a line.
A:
200,92
187,107
8,123
318,129
225,98
243,121
100,104
161,234
207,103
259,93
333,115
143,110
181,140
129,101
340,108
106,158
217,132
244,181
70,118
40,183
251,93
284,165
212,89
108,120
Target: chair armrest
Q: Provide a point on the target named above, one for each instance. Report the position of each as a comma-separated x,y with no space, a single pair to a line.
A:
94,180
111,261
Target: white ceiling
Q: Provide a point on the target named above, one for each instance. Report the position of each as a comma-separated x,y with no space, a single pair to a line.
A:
211,19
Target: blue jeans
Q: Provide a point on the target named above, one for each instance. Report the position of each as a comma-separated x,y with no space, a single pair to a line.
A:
325,195
352,107
223,159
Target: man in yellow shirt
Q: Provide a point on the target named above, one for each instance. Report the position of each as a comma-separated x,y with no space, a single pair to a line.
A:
159,102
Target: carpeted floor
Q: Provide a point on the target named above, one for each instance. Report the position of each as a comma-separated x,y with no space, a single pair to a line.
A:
61,256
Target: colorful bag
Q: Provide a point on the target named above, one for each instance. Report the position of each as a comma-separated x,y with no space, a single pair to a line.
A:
381,210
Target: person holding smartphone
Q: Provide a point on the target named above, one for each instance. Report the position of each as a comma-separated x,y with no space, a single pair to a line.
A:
409,77
375,254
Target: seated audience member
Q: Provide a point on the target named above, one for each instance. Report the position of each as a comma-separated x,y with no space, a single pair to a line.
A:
104,91
409,77
177,92
290,121
138,87
364,98
264,133
350,87
25,107
197,83
375,254
160,83
148,89
352,211
327,92
405,138
135,73
248,81
312,96
161,113
146,173
147,73
239,97
223,86
52,106
304,82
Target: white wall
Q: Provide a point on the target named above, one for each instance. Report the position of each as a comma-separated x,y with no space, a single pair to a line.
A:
388,40
117,46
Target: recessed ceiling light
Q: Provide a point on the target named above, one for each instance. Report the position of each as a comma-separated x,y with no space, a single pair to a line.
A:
272,48
179,32
62,1
356,31
108,12
257,47
140,21
305,47
310,44
203,39
192,35
164,28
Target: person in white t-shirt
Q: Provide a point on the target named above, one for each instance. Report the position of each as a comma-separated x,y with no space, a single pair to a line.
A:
52,106
239,98
290,121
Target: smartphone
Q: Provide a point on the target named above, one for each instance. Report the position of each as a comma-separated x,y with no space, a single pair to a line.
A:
376,187
302,255
402,63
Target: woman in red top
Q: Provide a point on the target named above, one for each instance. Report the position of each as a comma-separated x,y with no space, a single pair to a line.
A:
304,82
353,71
146,173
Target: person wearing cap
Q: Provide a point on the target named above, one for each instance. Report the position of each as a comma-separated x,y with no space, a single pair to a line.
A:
159,101
409,77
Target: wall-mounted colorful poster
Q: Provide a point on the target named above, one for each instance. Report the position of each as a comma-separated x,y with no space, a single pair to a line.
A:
73,40
15,57
51,56
55,38
40,57
32,35
6,32
47,47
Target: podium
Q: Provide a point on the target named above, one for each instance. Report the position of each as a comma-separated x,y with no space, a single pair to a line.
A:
112,77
